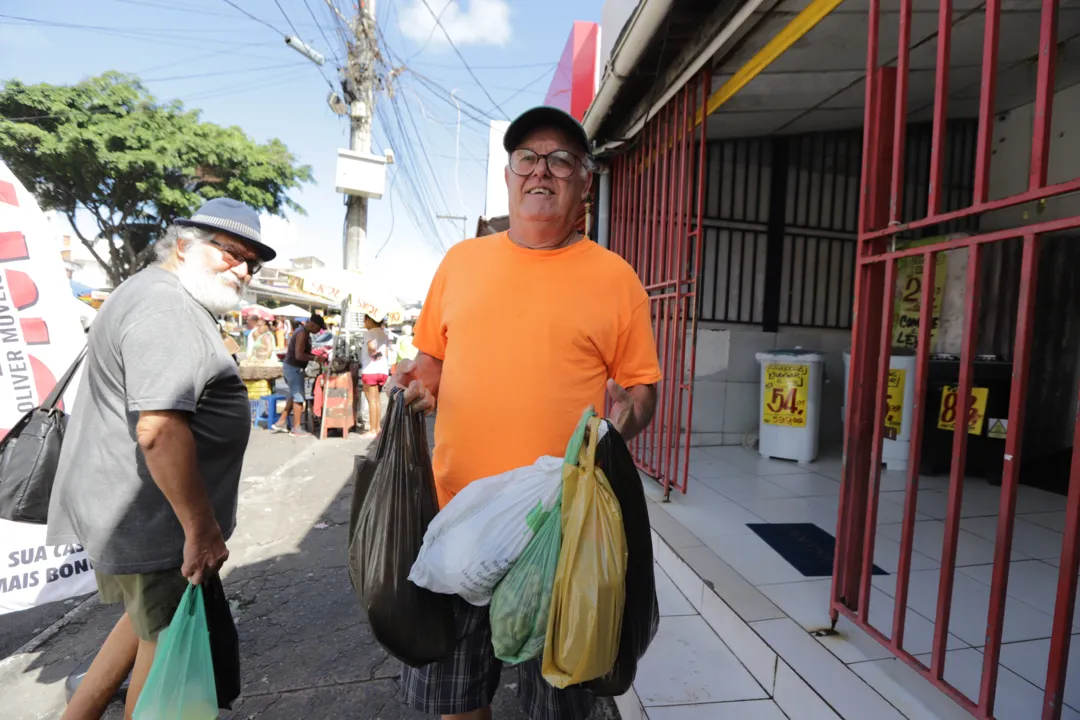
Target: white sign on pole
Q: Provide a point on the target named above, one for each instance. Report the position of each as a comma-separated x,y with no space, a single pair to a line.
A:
40,335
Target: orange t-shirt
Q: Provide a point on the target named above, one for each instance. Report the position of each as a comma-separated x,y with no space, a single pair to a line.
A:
528,340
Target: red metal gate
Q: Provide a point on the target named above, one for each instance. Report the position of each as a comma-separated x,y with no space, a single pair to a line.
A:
657,189
880,228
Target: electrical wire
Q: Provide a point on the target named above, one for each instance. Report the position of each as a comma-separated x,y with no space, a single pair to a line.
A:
488,67
433,29
463,61
296,33
528,85
219,72
154,36
162,6
329,45
256,19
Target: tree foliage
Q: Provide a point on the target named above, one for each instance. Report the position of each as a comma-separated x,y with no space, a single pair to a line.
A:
106,146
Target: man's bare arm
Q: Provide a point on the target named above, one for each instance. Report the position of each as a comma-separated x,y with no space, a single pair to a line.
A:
169,448
632,409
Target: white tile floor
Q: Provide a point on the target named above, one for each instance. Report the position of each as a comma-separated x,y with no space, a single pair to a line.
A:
732,486
688,673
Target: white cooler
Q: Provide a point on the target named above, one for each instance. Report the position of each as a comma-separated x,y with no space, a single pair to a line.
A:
790,409
894,452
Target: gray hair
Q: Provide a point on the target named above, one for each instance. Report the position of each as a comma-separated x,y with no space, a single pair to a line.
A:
166,244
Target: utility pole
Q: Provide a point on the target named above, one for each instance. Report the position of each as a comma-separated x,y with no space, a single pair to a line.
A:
462,218
359,87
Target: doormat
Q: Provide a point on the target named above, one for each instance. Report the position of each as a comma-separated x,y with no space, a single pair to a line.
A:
808,548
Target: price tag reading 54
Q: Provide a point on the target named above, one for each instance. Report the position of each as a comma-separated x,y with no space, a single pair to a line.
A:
784,402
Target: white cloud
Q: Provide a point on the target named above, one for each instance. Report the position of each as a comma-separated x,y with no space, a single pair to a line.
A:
484,22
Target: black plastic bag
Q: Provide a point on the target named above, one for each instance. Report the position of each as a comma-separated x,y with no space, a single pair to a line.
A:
224,642
413,624
641,615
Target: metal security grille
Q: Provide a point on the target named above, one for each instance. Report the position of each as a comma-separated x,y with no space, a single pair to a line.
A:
781,222
882,224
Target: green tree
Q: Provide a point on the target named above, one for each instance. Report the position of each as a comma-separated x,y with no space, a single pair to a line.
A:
106,146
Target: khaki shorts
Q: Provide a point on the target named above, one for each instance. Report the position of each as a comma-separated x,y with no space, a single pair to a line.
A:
150,599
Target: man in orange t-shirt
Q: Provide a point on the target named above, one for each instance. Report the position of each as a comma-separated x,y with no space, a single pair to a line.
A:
575,326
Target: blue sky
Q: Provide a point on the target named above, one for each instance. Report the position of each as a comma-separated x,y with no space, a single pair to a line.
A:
248,77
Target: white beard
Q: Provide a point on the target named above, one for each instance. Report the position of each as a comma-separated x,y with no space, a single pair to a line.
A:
217,292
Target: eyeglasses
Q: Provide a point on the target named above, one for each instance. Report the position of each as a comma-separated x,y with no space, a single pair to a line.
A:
560,163
253,265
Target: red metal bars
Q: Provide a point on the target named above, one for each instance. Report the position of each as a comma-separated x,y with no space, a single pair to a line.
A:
941,106
1010,482
1044,95
986,99
881,401
693,273
911,498
959,461
896,192
652,204
1061,635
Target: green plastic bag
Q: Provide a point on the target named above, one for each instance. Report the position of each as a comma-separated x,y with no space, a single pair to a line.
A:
180,685
522,599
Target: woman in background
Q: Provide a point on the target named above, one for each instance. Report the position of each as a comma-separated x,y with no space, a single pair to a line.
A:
374,369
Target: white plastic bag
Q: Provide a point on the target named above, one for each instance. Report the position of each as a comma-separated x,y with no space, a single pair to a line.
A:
475,539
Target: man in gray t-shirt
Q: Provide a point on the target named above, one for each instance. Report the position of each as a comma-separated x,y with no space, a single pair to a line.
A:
150,467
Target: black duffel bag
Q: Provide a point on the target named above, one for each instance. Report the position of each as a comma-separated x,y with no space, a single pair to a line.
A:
29,454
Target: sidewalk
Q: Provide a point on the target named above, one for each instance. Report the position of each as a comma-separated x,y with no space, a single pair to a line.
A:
743,634
306,650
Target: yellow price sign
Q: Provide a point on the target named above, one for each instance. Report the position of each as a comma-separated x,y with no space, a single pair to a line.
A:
894,404
785,394
909,283
950,406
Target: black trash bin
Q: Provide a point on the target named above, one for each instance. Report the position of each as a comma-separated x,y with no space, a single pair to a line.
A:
985,450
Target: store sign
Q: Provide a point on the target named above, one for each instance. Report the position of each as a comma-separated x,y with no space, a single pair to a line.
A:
40,335
785,394
950,406
894,403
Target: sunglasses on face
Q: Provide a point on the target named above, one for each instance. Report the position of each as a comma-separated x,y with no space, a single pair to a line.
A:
560,163
234,258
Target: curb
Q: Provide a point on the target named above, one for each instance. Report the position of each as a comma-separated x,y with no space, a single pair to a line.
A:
50,632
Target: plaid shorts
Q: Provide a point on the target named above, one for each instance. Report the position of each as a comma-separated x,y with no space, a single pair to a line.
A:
468,679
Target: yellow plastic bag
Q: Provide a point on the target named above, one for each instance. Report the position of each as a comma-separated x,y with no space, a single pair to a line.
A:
590,583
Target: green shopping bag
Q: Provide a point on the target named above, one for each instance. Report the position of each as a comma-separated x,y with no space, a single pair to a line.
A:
522,599
180,685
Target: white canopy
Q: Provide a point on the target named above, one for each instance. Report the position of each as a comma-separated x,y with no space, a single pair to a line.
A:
292,311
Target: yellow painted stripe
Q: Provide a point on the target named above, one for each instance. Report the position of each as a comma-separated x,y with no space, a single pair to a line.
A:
803,23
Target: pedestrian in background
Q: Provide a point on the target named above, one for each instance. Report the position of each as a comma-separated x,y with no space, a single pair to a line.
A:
574,325
149,472
374,369
297,356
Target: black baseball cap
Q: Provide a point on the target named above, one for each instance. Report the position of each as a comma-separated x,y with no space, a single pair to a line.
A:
544,116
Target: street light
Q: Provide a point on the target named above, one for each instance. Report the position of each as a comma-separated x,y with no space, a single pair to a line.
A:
462,218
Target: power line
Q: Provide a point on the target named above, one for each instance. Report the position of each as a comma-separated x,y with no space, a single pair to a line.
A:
488,67
220,72
329,45
297,34
463,61
162,6
256,19
528,85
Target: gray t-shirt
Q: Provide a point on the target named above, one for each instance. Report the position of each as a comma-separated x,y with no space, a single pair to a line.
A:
152,347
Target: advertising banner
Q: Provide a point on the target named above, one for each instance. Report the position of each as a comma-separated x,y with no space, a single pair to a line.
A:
40,335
